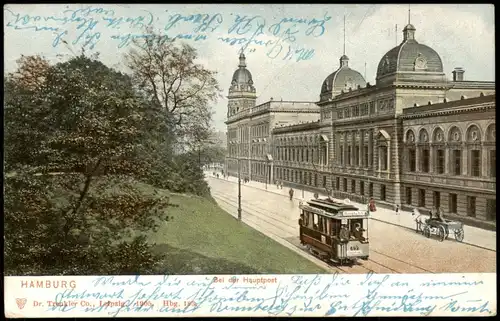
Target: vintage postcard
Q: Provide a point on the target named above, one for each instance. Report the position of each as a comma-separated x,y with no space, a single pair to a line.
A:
249,160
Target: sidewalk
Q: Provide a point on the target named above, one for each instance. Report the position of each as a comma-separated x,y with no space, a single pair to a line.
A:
473,236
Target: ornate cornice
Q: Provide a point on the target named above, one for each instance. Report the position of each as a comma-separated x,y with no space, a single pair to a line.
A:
451,111
297,127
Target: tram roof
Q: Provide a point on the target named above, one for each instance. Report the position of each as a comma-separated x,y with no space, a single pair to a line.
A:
340,210
329,203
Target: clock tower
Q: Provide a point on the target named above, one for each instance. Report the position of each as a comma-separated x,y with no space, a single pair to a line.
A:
242,95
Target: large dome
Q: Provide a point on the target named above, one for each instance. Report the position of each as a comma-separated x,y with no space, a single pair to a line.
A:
343,79
409,56
242,78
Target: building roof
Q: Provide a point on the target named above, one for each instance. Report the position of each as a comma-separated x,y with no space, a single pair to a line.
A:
344,78
242,78
464,104
409,56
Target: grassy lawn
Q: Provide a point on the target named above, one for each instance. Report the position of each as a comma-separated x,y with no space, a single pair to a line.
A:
203,239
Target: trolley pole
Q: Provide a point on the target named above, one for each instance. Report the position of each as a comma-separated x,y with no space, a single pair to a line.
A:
239,190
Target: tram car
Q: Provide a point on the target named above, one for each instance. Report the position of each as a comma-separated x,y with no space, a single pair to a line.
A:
334,231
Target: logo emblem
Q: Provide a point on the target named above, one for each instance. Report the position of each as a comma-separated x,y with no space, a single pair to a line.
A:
21,303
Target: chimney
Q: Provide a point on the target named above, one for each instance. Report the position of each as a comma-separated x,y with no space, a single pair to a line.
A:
458,74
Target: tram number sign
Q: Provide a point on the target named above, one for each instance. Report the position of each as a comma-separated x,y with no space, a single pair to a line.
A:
353,250
354,213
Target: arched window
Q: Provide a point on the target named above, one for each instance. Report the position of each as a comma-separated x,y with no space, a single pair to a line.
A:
473,136
425,153
454,141
439,151
411,151
383,150
491,150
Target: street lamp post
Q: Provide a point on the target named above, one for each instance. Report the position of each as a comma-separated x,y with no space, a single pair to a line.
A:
239,191
265,173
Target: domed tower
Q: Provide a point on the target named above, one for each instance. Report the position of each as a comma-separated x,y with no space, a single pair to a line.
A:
410,61
242,93
343,79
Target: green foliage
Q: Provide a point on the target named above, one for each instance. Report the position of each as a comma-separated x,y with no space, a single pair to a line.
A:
181,174
43,237
78,135
67,130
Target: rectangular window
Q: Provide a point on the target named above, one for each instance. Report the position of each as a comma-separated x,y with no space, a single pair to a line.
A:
353,186
345,185
471,206
383,158
493,163
491,210
457,162
370,190
349,162
340,114
355,111
382,192
475,163
347,112
437,199
365,155
337,183
372,107
408,195
356,155
421,197
425,160
452,199
362,188
341,155
440,161
412,155
324,181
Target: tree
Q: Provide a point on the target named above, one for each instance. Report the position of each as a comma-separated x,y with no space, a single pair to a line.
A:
167,74
70,130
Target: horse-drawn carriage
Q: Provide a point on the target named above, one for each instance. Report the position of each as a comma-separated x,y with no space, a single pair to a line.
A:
441,228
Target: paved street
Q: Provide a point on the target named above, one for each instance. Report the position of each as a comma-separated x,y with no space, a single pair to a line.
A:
394,247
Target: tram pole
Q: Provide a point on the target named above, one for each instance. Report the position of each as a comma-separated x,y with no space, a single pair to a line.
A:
239,190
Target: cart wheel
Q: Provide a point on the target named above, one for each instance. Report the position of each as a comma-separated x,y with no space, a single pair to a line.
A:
427,231
459,234
441,233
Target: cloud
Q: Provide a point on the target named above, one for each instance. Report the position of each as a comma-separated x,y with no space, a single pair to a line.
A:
463,35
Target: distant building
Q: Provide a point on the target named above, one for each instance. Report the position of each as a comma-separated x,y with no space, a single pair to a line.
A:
414,138
219,138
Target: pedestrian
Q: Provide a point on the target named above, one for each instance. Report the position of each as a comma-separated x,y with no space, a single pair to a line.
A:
397,209
290,192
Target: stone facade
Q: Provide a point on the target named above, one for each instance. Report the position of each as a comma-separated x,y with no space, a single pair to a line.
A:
398,141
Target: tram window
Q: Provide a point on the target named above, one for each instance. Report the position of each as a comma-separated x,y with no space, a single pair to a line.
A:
315,221
306,218
335,227
320,224
324,225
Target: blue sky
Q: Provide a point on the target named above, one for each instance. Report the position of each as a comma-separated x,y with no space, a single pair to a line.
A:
463,35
